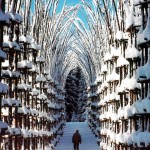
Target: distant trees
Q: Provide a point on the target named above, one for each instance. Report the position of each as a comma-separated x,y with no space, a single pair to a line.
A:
75,98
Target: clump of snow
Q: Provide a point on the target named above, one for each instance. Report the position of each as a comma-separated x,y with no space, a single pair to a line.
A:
24,64
112,77
16,46
25,39
138,20
3,125
35,91
114,96
141,106
34,112
46,71
6,102
23,86
104,68
132,52
40,78
121,112
22,38
121,61
40,59
33,46
16,131
115,52
10,44
2,54
140,137
104,85
146,104
136,2
7,73
137,107
99,79
119,35
5,63
132,19
146,31
16,102
127,138
107,57
5,111
42,97
18,17
10,73
102,102
23,110
140,36
124,85
34,68
120,138
128,111
133,84
3,88
25,133
3,16
143,72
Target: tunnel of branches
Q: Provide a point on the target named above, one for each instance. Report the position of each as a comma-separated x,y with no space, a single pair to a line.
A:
93,55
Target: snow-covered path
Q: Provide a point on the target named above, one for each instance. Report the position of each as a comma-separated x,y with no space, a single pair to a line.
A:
88,139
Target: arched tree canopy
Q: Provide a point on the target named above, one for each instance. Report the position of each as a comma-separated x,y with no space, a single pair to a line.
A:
67,41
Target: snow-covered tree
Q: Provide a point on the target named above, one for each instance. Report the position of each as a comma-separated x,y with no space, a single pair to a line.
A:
75,95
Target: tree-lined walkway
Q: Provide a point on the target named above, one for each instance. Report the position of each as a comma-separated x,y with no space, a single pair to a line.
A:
88,139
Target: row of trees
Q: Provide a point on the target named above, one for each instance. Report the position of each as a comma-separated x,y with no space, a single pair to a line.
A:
112,50
32,101
121,90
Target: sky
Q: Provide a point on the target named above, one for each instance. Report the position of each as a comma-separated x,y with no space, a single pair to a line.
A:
70,3
73,3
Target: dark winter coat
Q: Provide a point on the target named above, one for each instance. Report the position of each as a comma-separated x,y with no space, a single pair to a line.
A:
76,138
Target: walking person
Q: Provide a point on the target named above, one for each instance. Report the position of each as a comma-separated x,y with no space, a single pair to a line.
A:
76,139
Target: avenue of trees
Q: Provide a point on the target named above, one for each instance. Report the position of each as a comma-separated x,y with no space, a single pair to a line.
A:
40,48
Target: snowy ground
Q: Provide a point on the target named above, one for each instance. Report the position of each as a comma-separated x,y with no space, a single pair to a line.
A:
88,139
